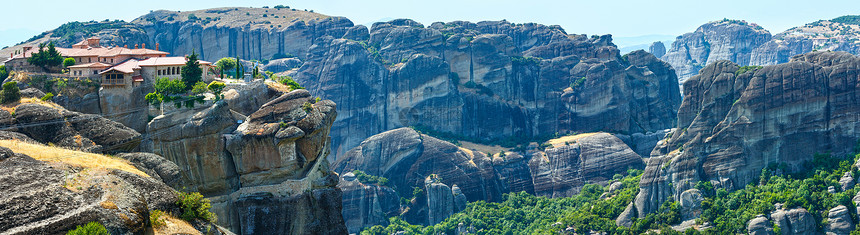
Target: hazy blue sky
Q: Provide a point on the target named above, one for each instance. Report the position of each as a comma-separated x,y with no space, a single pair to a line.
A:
628,18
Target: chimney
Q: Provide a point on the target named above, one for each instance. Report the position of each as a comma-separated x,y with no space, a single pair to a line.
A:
125,46
156,46
143,46
135,46
93,42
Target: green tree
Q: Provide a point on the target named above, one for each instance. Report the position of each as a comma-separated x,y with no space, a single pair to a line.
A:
240,70
68,62
10,93
256,73
166,90
225,64
46,58
287,80
91,228
216,87
191,71
3,72
199,88
194,206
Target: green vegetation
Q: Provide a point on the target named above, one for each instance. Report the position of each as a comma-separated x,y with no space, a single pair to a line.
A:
171,90
48,97
308,107
10,93
191,71
744,69
225,64
847,19
287,80
69,62
46,58
193,17
281,7
519,60
3,72
73,31
806,189
91,228
479,87
522,213
156,218
578,83
199,88
194,206
370,179
216,87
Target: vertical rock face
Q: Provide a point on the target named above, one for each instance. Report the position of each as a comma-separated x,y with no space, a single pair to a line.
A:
760,225
732,124
839,221
365,205
720,40
794,221
496,78
657,49
267,175
451,176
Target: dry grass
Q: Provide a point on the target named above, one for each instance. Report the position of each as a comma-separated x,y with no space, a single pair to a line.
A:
71,157
561,141
277,86
173,225
10,107
492,149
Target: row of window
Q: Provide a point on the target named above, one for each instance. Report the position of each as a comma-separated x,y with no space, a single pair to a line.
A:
81,73
90,60
170,71
114,78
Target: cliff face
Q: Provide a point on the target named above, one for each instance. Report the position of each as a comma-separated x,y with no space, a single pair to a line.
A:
268,174
748,44
732,124
450,175
720,40
488,80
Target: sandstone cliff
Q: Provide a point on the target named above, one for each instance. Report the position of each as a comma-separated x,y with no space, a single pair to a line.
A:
266,173
450,175
734,123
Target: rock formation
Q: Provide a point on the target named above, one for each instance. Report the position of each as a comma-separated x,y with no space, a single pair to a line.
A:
366,205
794,221
451,175
760,225
733,124
839,221
268,174
657,49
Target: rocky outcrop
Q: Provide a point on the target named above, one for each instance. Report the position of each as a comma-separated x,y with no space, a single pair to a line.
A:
691,204
42,198
733,124
50,123
760,225
365,205
157,167
839,221
496,78
267,175
794,221
732,40
657,49
451,176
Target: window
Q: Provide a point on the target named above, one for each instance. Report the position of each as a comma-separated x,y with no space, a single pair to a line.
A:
111,60
159,72
90,60
114,78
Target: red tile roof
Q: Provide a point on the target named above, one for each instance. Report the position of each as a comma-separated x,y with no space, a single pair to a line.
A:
125,67
91,65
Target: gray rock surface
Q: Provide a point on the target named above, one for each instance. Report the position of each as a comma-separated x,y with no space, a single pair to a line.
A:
32,93
157,167
794,221
54,124
713,141
839,221
760,225
657,49
365,205
691,204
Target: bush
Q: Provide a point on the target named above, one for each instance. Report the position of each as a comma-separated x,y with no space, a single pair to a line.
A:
3,72
156,218
193,17
48,97
10,93
194,206
308,107
68,62
287,80
369,179
578,83
91,228
216,87
199,88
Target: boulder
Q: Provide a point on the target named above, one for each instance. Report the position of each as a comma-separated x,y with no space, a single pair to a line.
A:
794,221
691,204
839,221
365,205
47,123
32,93
847,181
760,225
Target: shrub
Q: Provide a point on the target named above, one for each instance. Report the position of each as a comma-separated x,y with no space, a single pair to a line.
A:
216,87
287,80
369,179
3,72
68,62
156,218
48,97
744,69
199,88
191,71
578,83
10,93
91,228
194,206
193,17
308,107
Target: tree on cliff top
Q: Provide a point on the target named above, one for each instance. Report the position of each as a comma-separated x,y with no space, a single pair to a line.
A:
46,58
191,72
226,64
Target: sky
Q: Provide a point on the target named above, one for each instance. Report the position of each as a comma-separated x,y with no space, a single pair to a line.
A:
624,19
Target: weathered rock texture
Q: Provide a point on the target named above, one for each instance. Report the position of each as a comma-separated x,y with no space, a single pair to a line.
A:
366,205
749,44
451,176
267,175
732,125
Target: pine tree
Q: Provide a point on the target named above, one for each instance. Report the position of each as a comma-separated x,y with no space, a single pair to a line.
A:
191,72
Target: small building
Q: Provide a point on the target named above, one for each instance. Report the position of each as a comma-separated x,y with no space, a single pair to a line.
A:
133,72
86,52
